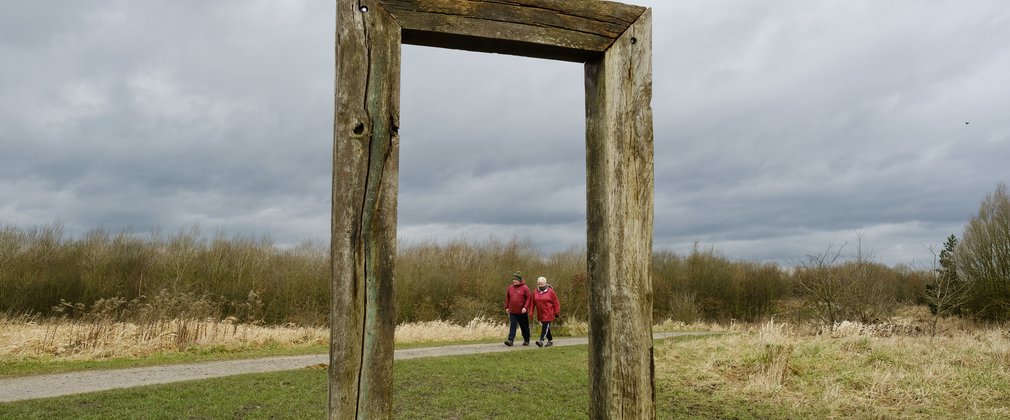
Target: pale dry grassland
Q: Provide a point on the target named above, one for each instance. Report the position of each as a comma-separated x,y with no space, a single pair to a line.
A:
55,339
482,328
895,370
436,331
853,370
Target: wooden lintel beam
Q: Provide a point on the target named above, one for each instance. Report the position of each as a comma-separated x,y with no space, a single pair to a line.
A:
553,29
497,46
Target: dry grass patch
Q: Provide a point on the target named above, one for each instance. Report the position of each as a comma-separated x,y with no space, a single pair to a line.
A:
853,370
24,339
669,325
57,339
477,329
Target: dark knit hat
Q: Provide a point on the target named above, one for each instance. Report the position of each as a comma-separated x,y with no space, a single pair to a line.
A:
518,276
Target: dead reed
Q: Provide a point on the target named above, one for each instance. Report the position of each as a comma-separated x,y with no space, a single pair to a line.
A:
442,331
880,371
32,337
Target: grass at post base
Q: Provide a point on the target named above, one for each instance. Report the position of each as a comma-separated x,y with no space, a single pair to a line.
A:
543,383
289,395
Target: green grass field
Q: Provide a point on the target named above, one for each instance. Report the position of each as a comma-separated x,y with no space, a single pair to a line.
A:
540,383
33,366
12,367
765,374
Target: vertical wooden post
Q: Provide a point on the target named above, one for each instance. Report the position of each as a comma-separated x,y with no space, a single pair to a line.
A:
620,176
363,241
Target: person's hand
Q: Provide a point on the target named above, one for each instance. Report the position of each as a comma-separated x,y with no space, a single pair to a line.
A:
506,311
524,310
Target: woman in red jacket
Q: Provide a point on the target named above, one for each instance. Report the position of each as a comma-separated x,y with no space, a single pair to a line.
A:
545,303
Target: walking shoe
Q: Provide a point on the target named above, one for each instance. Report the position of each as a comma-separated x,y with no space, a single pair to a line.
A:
540,343
526,343
508,343
549,343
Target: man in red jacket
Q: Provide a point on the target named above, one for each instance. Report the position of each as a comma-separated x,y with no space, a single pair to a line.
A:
518,304
545,302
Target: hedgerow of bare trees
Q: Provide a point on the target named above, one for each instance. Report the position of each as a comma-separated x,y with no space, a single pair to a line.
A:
705,285
41,268
835,290
124,275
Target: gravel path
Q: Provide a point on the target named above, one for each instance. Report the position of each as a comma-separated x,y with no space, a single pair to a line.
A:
54,385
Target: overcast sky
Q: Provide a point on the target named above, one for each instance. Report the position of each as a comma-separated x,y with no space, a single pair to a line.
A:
780,126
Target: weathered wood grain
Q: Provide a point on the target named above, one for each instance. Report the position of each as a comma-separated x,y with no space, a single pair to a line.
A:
363,242
553,29
620,178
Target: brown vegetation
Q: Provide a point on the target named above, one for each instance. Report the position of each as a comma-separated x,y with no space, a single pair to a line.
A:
163,277
24,338
891,370
40,268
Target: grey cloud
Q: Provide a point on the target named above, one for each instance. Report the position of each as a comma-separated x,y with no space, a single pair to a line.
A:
781,126
166,114
824,117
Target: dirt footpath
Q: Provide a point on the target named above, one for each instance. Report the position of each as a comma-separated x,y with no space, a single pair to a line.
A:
54,385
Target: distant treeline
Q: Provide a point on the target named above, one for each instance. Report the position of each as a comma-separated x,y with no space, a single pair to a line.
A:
42,271
39,267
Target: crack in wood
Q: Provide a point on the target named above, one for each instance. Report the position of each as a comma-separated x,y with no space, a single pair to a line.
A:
365,211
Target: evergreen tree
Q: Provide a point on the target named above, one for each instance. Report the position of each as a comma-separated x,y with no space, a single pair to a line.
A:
946,277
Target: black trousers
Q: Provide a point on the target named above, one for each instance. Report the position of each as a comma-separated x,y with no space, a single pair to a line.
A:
523,320
545,331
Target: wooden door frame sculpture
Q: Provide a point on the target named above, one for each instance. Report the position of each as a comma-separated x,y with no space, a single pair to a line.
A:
614,41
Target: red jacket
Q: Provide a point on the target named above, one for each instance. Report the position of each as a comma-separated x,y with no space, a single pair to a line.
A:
518,297
546,304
